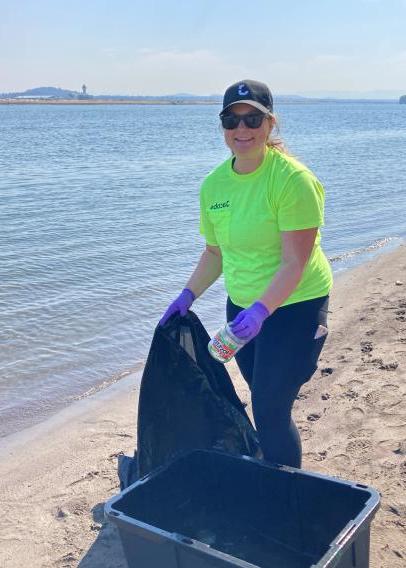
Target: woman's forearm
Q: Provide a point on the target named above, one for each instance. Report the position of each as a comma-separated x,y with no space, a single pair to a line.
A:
283,284
297,247
207,271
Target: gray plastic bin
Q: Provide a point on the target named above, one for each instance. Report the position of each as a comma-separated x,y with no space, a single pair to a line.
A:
208,509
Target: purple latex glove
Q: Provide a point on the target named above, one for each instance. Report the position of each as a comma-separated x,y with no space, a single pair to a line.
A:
247,324
181,305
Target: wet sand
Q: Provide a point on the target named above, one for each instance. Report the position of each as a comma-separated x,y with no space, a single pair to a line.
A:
55,477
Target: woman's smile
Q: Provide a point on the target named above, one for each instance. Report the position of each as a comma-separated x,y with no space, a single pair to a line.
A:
247,143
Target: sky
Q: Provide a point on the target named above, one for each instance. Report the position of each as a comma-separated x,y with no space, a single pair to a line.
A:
158,47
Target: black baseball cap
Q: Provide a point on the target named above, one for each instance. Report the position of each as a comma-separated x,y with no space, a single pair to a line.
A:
250,92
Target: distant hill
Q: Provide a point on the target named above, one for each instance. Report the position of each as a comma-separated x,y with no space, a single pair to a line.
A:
43,92
56,93
402,100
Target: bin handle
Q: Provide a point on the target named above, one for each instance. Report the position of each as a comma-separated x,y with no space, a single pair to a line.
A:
183,539
347,534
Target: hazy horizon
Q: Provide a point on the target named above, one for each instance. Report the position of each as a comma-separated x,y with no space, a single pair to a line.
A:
388,94
312,48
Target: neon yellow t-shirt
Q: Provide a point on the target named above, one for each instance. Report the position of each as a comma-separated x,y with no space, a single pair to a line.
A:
244,215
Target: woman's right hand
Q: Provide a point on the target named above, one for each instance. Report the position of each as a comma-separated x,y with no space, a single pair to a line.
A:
182,303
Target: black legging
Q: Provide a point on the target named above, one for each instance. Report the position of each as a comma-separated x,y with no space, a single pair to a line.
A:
275,365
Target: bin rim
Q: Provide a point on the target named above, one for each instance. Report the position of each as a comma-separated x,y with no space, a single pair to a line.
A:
270,465
344,537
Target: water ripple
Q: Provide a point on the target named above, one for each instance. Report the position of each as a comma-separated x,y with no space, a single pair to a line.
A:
99,228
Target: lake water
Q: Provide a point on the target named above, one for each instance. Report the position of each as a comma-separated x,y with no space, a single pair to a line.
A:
99,228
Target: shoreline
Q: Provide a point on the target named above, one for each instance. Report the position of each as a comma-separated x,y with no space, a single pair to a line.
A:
35,420
77,408
56,476
104,102
179,101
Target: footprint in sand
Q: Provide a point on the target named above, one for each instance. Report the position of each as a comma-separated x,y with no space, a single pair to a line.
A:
385,399
373,398
389,366
355,414
341,460
390,387
366,346
362,433
388,447
354,383
396,422
359,446
378,362
326,371
350,394
313,417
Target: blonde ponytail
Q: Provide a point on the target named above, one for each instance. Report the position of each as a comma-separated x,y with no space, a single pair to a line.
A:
276,141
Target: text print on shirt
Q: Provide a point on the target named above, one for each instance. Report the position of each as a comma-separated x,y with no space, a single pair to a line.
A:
220,205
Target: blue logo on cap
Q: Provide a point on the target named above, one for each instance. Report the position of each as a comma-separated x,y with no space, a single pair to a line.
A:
241,90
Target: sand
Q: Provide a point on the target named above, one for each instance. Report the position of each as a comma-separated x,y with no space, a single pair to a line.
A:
55,477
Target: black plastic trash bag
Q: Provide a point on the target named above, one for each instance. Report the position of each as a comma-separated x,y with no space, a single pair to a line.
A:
187,399
127,470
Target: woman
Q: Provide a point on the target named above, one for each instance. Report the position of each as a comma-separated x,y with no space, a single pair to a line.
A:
261,211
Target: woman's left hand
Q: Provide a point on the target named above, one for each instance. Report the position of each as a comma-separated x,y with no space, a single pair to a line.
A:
247,324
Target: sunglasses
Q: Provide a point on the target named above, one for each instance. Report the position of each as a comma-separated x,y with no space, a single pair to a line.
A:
252,120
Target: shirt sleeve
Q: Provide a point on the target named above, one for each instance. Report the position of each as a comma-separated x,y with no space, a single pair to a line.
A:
206,227
301,204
